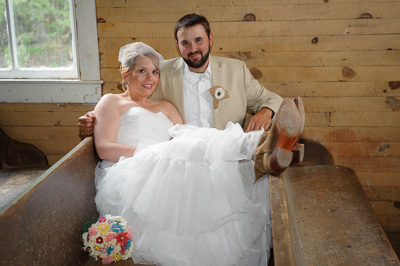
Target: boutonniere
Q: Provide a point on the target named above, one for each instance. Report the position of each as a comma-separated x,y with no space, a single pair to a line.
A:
218,94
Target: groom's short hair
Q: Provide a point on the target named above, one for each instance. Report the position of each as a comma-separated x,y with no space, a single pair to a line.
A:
191,20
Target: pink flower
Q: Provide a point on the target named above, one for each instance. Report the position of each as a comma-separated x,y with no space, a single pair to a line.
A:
110,236
130,234
102,220
107,260
92,231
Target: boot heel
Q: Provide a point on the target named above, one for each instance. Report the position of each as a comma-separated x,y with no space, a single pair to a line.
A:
298,154
280,160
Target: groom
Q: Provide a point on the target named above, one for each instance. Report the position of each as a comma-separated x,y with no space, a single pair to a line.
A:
186,81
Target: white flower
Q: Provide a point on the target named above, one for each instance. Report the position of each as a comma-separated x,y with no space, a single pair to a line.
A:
219,93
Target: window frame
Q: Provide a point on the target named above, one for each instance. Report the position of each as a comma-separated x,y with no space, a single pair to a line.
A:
85,88
35,72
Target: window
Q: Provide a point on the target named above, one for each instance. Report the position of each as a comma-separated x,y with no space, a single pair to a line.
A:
37,39
49,51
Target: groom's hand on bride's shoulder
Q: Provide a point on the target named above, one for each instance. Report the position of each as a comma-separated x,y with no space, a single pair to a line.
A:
86,123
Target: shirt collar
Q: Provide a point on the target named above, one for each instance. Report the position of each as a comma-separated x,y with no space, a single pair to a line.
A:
191,76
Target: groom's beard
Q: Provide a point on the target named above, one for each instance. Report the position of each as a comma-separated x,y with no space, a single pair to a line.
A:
197,63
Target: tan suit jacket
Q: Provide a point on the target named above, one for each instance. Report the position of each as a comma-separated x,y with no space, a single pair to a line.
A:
231,74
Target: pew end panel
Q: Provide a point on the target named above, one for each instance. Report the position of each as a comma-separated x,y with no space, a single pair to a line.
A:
43,224
17,154
321,216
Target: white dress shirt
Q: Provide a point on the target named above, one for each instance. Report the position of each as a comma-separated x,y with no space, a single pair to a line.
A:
197,98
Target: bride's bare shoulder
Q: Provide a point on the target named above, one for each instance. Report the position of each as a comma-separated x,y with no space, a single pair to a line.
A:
113,98
172,113
110,101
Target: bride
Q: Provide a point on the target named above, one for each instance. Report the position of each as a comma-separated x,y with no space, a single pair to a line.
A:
188,193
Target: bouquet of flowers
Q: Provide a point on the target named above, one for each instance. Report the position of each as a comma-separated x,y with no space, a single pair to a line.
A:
109,239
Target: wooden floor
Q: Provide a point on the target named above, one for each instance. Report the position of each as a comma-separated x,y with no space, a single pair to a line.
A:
14,181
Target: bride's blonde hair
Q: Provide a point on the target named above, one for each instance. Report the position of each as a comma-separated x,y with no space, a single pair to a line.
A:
129,56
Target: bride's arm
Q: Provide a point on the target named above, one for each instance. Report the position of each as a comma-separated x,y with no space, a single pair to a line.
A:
106,129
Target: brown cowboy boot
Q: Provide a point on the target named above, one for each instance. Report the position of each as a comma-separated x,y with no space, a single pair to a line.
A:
276,153
264,151
298,150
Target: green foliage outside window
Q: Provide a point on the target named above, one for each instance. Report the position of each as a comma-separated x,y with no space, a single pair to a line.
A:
43,34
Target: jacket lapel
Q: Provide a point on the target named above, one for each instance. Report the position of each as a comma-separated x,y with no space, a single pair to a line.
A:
216,72
178,87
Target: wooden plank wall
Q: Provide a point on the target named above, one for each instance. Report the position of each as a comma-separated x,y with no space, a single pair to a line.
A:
341,56
49,126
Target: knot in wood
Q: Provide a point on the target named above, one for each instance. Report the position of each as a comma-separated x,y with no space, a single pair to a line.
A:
384,147
315,40
250,17
366,16
244,56
101,20
394,85
257,74
348,72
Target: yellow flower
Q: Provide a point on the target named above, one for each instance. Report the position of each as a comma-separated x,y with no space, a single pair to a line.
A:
103,228
117,257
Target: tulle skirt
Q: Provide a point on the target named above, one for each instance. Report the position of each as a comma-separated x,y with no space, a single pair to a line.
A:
192,200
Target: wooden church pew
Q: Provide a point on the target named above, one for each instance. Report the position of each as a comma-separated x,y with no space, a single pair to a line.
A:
320,215
43,224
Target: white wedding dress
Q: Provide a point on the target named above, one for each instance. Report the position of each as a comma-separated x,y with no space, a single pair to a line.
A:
191,200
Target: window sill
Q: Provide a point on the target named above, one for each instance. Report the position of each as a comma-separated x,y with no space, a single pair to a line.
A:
50,91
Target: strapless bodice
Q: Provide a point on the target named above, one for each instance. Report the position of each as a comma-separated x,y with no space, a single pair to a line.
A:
138,123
